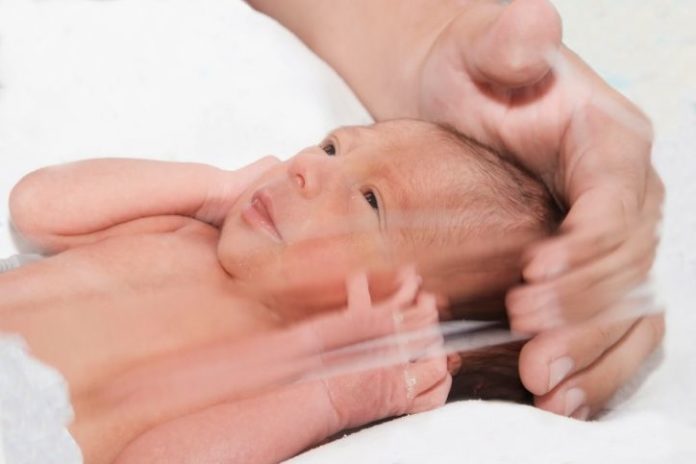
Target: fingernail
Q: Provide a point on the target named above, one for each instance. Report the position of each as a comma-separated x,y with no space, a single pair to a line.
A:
545,303
534,301
574,398
558,370
582,414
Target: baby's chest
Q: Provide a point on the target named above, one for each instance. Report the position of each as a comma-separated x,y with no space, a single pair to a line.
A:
96,310
150,260
160,288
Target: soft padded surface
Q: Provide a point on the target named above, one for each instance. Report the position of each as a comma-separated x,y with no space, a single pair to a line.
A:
215,82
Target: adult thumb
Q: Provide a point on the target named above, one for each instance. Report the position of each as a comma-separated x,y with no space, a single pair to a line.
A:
515,47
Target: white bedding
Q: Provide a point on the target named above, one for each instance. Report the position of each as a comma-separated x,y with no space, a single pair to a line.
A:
213,81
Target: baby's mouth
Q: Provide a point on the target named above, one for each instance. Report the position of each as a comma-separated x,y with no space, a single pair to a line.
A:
259,214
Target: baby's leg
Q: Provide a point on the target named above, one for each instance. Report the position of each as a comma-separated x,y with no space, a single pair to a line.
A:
276,425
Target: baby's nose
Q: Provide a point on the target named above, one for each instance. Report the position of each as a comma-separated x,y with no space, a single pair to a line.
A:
312,173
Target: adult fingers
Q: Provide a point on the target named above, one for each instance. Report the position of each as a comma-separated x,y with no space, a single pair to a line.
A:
552,356
586,392
582,293
605,228
599,222
604,174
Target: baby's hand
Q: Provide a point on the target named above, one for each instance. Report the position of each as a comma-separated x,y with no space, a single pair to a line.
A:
409,387
231,184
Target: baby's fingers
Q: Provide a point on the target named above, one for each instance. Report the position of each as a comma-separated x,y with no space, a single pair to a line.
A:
585,393
433,398
359,296
358,290
409,284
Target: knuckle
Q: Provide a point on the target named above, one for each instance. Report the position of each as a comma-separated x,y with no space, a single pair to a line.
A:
608,382
649,129
629,209
600,385
521,324
603,240
646,263
440,368
659,185
602,338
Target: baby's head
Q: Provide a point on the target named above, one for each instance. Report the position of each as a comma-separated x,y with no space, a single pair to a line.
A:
375,197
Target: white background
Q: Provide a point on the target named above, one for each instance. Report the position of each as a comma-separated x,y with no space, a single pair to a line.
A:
211,81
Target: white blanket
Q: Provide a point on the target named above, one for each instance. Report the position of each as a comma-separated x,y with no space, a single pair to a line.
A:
213,81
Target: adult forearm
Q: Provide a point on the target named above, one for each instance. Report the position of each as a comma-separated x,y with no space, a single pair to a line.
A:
377,46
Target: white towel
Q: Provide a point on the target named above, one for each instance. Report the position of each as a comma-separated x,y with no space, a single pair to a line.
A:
34,409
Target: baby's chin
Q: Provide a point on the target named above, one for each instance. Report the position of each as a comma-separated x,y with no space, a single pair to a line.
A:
225,250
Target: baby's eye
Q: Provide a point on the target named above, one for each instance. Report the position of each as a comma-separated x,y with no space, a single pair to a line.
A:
329,148
371,199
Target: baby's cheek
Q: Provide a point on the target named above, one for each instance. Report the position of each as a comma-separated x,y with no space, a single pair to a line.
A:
315,262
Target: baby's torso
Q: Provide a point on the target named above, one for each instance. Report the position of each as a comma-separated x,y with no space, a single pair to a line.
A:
98,310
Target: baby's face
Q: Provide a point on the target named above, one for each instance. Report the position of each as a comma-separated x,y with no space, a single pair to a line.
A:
334,208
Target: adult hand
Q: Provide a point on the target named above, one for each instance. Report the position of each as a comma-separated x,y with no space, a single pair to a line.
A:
501,74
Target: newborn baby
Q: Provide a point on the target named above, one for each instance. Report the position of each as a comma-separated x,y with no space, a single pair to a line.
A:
157,267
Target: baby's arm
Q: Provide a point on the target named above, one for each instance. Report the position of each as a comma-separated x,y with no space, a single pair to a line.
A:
63,206
283,422
265,429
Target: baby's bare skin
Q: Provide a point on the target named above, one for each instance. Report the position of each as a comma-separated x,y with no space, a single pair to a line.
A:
146,281
267,428
97,311
139,298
